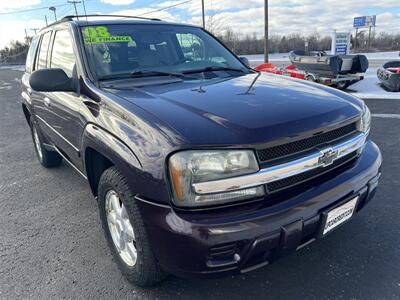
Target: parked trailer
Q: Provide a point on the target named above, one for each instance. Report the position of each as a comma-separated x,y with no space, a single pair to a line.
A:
340,81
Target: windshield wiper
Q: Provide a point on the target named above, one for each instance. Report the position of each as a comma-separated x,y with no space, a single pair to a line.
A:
216,68
141,73
147,73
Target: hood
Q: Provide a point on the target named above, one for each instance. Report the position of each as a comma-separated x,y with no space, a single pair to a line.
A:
250,109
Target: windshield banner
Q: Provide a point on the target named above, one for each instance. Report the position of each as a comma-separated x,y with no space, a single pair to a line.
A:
100,34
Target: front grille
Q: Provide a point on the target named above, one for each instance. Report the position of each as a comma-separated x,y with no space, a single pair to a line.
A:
293,148
309,175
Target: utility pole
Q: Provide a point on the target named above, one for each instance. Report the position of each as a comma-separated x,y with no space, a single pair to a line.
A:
266,48
355,46
26,36
74,2
53,9
84,8
45,18
35,30
203,14
369,38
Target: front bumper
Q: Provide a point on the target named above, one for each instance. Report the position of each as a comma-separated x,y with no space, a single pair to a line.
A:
212,242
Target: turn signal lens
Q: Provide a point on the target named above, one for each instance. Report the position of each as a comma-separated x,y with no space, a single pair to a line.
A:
364,124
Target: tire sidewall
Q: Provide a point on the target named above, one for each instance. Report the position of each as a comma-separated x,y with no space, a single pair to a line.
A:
35,127
102,192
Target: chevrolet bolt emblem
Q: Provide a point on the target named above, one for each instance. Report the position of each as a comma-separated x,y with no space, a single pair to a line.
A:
328,156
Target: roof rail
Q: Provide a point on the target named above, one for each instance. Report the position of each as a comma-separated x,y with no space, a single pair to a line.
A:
69,18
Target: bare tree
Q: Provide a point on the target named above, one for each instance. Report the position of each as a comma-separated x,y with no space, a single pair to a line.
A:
215,24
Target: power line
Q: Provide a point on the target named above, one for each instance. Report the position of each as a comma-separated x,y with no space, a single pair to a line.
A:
195,6
32,9
162,13
66,11
74,2
165,8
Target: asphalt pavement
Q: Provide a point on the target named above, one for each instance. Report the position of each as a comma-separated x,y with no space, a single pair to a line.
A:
52,244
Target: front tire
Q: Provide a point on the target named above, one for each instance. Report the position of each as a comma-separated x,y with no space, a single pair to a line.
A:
47,159
124,230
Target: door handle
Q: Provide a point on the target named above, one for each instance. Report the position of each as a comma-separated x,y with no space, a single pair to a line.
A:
47,102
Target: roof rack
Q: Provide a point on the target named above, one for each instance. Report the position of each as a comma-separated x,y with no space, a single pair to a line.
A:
69,18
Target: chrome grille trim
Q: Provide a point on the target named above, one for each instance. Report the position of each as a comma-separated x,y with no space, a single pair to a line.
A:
296,149
274,173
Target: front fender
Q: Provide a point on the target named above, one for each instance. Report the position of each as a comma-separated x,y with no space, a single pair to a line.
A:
109,146
121,156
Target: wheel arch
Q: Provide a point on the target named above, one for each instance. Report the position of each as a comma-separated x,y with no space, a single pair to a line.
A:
27,113
102,150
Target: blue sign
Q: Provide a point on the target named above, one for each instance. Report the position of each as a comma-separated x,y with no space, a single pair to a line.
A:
360,22
341,49
365,21
341,43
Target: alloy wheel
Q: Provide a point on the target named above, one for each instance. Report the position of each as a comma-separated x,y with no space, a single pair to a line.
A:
120,228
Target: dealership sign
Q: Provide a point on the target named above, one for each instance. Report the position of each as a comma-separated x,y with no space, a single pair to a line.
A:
365,21
341,42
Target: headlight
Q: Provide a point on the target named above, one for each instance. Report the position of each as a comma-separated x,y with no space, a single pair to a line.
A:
365,122
188,167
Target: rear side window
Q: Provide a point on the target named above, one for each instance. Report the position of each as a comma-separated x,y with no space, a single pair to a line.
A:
31,55
63,52
44,47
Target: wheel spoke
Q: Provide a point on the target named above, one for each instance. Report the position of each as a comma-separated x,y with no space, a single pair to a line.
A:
115,204
116,239
124,213
121,229
128,230
130,248
126,224
112,217
122,243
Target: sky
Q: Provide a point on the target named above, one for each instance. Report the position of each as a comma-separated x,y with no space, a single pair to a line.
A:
244,16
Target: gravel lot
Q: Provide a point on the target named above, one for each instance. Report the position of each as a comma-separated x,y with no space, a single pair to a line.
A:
52,244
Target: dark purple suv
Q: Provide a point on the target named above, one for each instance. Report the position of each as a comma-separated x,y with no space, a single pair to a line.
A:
200,165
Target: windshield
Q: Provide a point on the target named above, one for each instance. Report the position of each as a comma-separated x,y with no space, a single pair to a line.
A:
118,50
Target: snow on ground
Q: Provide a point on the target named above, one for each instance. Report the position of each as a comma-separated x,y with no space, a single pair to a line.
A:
285,56
394,55
272,57
13,67
370,88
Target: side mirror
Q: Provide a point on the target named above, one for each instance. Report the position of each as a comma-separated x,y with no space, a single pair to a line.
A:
245,61
52,80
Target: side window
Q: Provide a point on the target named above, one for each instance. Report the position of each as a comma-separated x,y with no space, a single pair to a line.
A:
44,47
192,46
63,52
31,55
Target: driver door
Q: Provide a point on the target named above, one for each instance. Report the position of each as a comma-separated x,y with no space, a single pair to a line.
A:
64,107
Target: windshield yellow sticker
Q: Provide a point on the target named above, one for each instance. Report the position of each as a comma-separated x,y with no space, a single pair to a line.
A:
100,34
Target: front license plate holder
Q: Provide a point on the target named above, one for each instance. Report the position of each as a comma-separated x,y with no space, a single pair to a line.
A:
338,215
